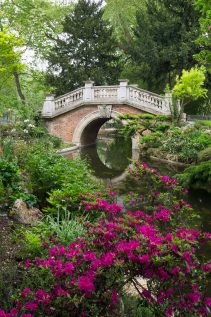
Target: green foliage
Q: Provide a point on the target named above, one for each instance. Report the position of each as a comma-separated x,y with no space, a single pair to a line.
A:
63,228
9,181
37,21
114,12
162,43
206,123
205,155
9,54
84,50
48,172
204,40
198,176
190,85
9,173
133,307
142,123
152,140
185,143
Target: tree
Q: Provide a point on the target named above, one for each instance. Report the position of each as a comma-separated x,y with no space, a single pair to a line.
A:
123,24
10,58
204,40
189,87
31,25
36,21
85,49
164,41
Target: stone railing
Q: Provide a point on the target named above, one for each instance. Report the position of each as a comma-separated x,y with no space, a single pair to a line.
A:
101,95
105,93
68,100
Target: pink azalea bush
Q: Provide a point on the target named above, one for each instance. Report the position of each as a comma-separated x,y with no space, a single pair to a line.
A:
88,276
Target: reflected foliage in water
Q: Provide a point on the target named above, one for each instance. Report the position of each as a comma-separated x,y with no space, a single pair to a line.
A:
110,158
115,153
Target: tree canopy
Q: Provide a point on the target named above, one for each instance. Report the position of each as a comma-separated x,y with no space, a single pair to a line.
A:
85,49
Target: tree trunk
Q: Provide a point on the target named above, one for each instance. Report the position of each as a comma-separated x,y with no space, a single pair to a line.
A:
18,86
182,106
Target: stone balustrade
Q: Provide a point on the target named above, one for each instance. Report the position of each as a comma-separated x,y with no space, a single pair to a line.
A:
123,94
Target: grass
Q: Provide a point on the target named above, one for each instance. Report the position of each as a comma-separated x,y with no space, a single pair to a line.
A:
204,122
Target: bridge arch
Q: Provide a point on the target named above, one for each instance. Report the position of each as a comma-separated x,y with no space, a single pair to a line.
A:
88,127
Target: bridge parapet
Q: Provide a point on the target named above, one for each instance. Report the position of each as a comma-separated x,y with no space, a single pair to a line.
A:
113,95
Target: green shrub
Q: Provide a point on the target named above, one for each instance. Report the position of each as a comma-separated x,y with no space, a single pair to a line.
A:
185,143
48,172
152,139
205,155
198,176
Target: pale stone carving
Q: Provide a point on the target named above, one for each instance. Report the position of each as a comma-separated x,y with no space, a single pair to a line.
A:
105,111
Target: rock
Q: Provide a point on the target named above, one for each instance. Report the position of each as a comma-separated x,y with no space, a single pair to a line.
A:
21,213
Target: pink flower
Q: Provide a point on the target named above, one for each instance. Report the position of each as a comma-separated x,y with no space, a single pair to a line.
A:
25,292
59,291
144,165
175,270
107,259
27,263
68,268
165,178
2,313
27,315
146,294
31,306
86,284
114,298
144,258
194,297
169,312
89,256
13,312
206,267
40,293
207,301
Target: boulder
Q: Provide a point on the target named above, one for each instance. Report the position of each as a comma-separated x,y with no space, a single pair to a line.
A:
21,213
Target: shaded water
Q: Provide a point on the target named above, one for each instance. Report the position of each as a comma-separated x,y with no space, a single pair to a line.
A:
109,160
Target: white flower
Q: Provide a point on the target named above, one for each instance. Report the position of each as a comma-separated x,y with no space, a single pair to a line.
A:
25,121
25,131
31,126
13,130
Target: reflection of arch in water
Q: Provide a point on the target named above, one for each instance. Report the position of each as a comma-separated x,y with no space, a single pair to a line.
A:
87,129
101,170
120,178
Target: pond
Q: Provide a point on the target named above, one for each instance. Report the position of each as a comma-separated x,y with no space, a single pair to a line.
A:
109,160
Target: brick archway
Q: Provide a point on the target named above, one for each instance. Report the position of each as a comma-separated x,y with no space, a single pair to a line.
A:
88,127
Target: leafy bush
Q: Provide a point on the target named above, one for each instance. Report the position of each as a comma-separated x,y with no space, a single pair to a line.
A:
185,143
152,139
88,276
9,181
50,174
198,176
205,155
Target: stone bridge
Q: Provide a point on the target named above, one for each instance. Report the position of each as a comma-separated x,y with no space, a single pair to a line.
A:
77,116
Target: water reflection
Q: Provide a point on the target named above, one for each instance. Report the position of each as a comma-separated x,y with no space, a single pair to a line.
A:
109,158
